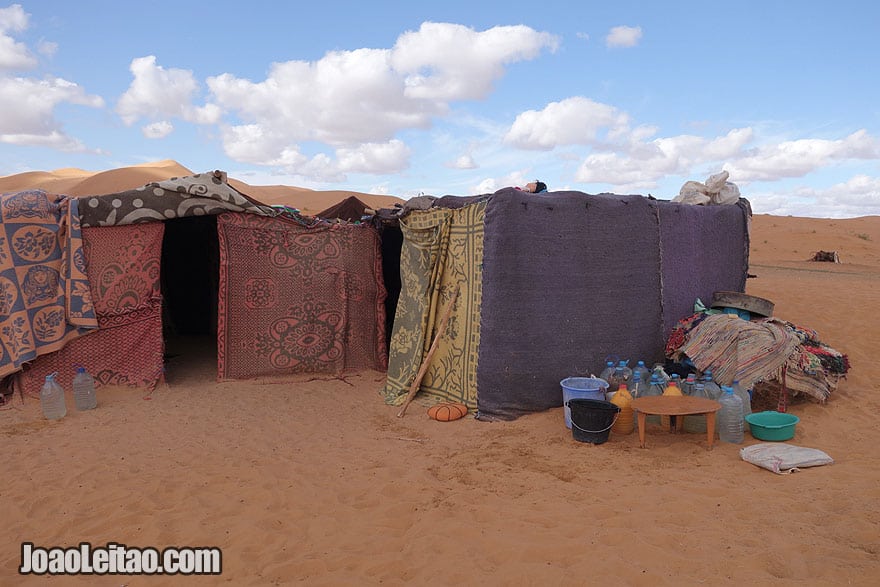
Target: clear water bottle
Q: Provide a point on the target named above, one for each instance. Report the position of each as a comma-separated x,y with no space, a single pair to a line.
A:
696,423
638,386
730,417
687,386
607,371
656,386
744,396
644,372
52,398
621,375
84,390
713,390
660,372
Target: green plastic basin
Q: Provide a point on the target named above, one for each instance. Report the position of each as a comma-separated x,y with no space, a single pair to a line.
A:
772,425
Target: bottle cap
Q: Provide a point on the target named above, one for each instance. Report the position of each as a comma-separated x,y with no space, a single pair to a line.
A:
80,369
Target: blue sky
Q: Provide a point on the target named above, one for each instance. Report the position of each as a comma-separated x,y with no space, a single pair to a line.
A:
456,97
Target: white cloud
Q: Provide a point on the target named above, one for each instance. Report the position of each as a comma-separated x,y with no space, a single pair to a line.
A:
573,121
157,130
798,158
623,36
27,108
157,93
642,164
443,61
463,162
583,36
858,196
14,55
493,184
357,101
47,48
390,157
381,189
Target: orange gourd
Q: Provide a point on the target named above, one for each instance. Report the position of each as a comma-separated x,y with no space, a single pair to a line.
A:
447,412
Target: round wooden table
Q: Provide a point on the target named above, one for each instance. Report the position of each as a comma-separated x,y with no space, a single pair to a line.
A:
676,407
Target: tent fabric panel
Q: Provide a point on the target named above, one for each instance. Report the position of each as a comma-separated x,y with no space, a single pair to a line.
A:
568,280
45,300
442,250
704,249
194,195
124,266
128,353
298,299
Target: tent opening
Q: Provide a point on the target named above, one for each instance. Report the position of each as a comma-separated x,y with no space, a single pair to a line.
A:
190,277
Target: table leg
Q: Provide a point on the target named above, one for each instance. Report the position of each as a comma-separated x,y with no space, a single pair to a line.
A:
643,419
679,423
710,428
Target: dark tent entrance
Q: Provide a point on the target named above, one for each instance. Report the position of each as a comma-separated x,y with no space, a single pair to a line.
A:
190,277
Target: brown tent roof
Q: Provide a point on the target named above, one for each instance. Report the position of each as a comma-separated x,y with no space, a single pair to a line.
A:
351,209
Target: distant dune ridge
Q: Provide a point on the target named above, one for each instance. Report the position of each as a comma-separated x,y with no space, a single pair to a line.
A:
785,237
78,182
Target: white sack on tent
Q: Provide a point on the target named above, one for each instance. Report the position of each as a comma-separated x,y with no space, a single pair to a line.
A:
716,190
693,192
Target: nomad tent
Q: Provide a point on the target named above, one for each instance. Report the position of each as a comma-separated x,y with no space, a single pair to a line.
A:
549,286
351,209
281,293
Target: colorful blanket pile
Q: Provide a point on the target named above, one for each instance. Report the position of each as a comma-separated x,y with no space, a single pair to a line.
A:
765,353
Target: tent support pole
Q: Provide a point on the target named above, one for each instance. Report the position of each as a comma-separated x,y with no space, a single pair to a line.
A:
427,360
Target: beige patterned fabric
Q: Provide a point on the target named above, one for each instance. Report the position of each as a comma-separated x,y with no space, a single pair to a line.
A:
202,194
442,250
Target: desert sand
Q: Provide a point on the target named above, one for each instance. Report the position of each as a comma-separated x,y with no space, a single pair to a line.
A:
318,481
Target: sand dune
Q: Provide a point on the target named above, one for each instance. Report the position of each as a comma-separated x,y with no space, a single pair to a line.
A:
78,182
317,481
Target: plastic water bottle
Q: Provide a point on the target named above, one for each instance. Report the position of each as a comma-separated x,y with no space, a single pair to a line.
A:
638,386
713,390
625,422
730,417
744,396
84,390
622,374
607,371
644,372
52,398
656,386
696,423
687,386
660,372
671,390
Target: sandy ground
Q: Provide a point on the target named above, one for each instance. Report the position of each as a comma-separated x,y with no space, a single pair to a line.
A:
317,481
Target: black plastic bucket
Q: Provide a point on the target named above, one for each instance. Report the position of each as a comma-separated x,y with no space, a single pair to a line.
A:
592,419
